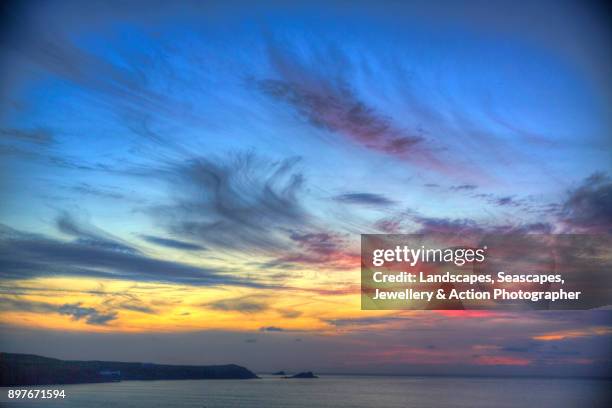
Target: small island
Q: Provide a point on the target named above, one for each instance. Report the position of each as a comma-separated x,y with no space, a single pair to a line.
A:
279,373
28,369
305,374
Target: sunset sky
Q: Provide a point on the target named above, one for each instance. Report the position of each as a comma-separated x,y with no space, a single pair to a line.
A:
188,184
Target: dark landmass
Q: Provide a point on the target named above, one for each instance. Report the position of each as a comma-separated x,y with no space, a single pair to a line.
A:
305,374
28,369
279,373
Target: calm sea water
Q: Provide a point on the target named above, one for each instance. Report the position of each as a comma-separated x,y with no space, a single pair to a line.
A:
333,391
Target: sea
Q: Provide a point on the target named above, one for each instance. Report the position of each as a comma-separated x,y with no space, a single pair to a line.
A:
331,391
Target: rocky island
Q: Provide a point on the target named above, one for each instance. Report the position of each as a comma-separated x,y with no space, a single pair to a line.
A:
28,369
305,374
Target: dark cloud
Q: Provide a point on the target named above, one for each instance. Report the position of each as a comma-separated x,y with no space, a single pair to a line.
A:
506,201
245,304
271,329
75,310
364,321
588,208
364,199
464,187
172,243
431,225
244,202
25,256
526,204
91,315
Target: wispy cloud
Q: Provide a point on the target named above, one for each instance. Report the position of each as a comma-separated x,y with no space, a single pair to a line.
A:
575,333
271,329
370,199
75,310
90,235
36,136
172,243
317,248
244,304
241,202
328,101
462,187
27,255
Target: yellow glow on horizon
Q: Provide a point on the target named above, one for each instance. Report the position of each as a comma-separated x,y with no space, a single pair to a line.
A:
160,307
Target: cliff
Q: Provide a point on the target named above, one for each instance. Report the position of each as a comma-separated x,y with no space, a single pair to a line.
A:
27,369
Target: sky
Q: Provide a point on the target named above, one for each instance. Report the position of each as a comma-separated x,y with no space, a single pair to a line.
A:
188,183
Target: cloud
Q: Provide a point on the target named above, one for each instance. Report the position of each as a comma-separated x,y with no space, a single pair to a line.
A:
575,333
315,248
245,304
124,86
327,101
289,314
25,256
363,321
87,189
136,307
506,201
271,329
431,225
321,243
501,361
240,202
91,315
172,243
389,225
364,199
90,235
37,136
588,208
461,187
75,310
124,300
462,226
246,202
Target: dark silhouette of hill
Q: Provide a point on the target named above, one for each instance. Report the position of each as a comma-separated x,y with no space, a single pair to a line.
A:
28,369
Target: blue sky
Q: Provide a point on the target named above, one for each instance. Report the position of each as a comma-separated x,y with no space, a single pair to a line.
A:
253,144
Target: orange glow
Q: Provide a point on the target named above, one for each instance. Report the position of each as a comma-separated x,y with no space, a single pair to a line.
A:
572,334
502,360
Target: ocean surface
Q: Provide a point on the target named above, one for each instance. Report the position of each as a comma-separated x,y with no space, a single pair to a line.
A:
332,391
